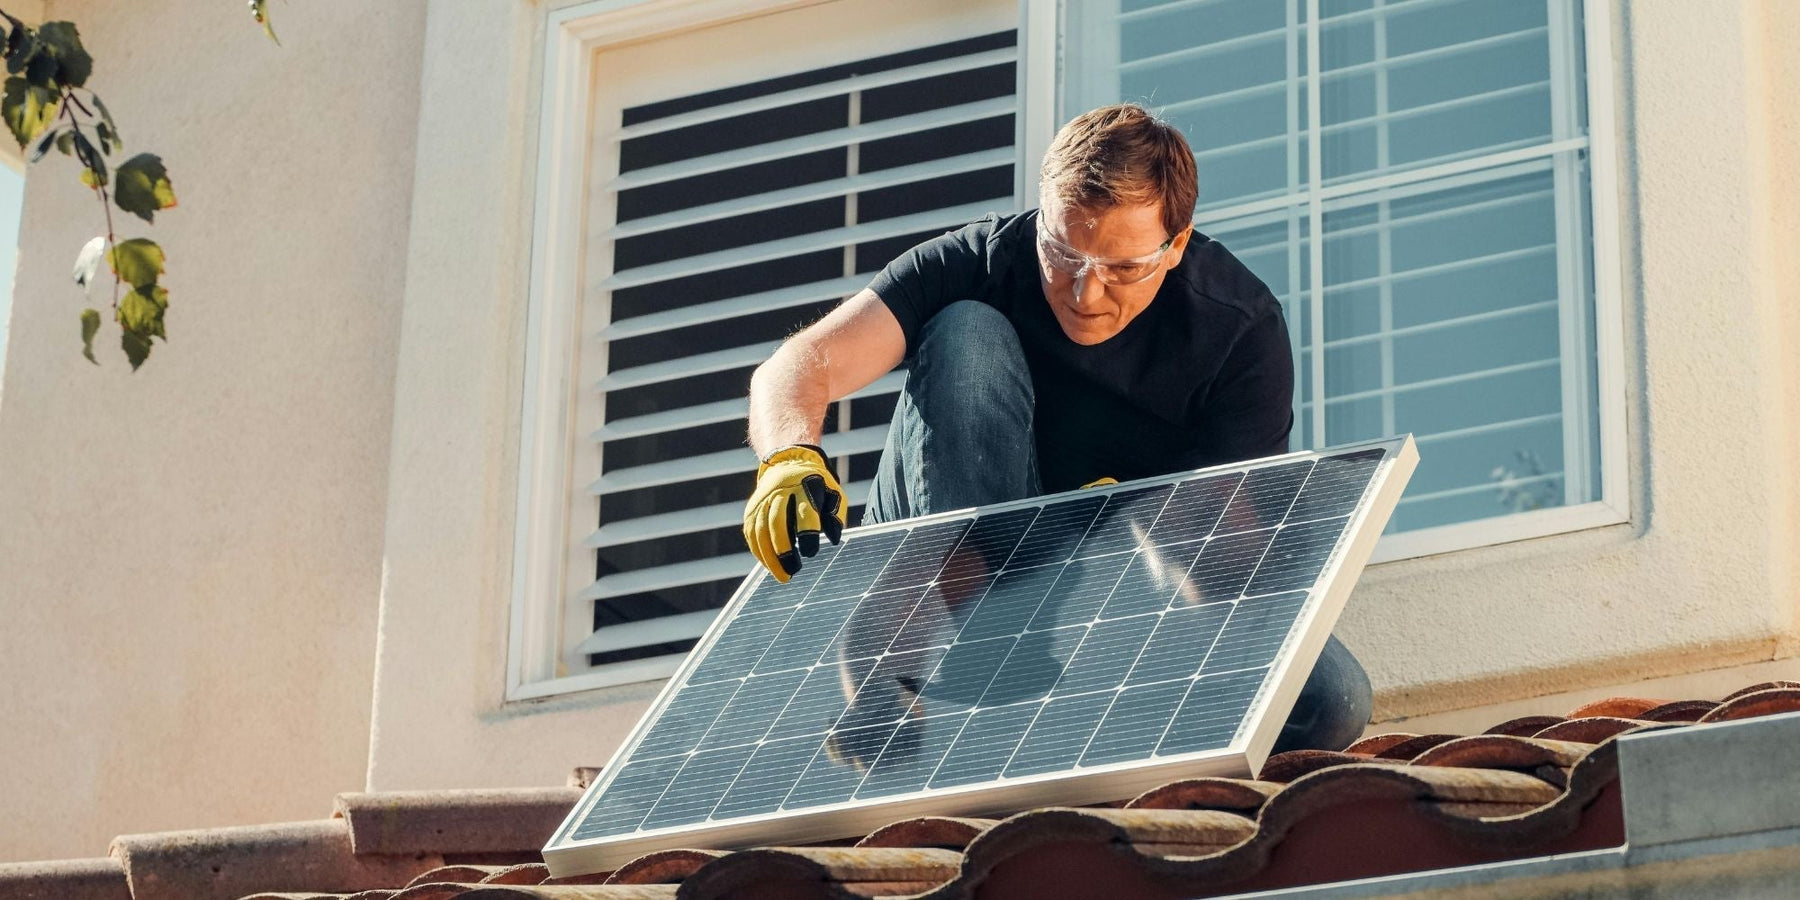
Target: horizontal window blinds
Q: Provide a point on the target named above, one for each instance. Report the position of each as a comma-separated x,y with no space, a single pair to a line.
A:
744,213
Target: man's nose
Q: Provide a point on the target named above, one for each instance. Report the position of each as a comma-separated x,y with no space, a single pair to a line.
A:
1087,287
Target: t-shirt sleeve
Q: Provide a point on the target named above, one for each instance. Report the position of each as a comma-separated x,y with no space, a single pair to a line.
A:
1252,398
933,275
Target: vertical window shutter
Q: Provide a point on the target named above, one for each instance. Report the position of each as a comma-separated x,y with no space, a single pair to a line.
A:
744,213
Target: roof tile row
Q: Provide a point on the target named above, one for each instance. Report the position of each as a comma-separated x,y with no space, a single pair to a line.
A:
1389,804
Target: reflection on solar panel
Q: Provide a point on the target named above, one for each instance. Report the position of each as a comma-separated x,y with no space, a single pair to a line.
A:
1066,649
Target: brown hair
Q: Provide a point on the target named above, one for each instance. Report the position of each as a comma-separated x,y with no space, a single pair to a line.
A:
1122,155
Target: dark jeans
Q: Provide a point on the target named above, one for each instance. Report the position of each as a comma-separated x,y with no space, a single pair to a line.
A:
962,437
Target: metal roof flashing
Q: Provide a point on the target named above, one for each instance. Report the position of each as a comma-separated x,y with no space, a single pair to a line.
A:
1713,808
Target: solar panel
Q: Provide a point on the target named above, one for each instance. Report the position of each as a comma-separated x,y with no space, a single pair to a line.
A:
1060,650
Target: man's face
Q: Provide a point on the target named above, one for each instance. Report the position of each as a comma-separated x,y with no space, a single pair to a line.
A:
1123,241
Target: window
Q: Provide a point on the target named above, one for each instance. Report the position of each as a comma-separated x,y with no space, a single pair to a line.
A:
707,187
1441,150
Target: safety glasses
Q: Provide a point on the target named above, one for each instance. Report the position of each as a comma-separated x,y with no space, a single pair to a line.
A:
1074,263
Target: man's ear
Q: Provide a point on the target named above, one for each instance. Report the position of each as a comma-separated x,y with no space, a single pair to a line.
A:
1178,246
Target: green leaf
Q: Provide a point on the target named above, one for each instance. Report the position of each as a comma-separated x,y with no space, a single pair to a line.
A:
90,326
137,348
43,145
259,10
65,142
111,132
41,69
138,262
109,139
28,109
15,32
27,49
141,310
94,173
74,65
143,186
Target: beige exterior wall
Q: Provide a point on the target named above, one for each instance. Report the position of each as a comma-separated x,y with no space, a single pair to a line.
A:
1700,580
190,556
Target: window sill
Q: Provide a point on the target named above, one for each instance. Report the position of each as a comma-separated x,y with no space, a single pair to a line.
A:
1499,530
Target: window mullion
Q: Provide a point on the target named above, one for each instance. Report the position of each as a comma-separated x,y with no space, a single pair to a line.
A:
1571,280
1384,236
1295,270
1315,164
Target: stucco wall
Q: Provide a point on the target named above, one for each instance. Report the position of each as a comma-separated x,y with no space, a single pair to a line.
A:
1700,579
190,556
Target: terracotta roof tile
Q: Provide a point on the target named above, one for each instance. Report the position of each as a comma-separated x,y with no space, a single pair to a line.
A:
233,862
1617,707
452,822
1590,730
943,832
663,867
1499,751
1758,688
1413,746
1524,726
1376,743
1392,804
1207,793
1678,711
65,879
1766,702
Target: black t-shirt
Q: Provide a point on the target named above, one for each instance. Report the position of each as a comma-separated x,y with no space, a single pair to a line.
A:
1202,376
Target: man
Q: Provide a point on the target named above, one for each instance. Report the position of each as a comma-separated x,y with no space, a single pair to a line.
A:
1095,338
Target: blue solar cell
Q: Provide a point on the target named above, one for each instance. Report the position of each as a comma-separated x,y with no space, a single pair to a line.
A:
1105,655
1149,583
1059,734
985,744
1263,498
773,768
1211,712
1135,722
1055,532
1178,645
1125,520
912,756
752,709
629,797
1081,591
1009,604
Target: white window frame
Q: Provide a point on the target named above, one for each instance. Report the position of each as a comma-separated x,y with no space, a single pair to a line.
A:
550,562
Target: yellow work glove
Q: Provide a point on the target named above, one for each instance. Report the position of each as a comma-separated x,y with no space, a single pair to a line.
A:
1100,482
796,499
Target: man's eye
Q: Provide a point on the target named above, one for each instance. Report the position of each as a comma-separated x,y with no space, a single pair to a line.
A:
1132,271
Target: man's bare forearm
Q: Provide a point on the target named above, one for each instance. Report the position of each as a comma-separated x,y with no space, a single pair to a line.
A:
788,398
856,343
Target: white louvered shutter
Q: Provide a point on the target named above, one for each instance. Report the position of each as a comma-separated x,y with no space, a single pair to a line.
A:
726,214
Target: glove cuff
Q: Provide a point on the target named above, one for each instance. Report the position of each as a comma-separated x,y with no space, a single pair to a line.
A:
788,452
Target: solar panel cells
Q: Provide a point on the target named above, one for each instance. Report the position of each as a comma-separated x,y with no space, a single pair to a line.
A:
1088,630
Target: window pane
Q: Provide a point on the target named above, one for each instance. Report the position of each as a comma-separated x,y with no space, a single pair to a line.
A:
1443,318
1456,307
1402,84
